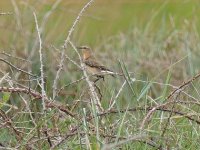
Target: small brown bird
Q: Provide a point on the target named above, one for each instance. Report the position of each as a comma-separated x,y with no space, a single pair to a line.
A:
92,65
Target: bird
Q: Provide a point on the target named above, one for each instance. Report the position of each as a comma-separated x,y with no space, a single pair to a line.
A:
92,65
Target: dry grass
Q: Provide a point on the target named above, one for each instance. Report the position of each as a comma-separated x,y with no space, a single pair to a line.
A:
48,100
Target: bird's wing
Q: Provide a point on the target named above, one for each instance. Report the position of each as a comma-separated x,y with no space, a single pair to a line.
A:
95,64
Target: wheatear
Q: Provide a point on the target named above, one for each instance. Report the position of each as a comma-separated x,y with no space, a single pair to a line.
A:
92,65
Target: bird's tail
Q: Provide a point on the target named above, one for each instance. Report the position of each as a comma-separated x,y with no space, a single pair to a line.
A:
109,72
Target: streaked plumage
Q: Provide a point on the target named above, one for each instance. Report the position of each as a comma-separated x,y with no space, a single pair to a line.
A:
92,65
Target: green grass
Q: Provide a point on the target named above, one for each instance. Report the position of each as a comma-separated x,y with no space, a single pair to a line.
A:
155,46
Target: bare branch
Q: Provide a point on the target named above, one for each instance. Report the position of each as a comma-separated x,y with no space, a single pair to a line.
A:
5,61
41,63
65,46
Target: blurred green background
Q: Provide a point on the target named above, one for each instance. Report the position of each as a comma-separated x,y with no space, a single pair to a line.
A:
102,20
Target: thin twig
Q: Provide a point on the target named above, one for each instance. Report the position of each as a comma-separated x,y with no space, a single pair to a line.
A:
99,91
41,63
150,113
65,47
37,95
76,64
133,138
161,108
19,58
17,68
183,85
42,27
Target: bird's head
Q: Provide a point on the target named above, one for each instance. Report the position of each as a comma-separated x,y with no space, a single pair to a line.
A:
86,51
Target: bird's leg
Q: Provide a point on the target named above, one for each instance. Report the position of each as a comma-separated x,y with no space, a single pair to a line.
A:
98,78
